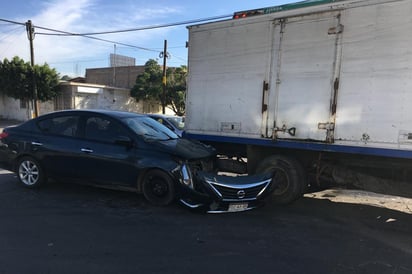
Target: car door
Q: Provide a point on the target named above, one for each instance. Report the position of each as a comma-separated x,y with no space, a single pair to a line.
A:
57,144
107,153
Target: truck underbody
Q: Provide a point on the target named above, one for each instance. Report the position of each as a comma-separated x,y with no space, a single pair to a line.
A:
323,169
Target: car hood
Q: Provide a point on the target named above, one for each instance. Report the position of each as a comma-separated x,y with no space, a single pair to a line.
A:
185,148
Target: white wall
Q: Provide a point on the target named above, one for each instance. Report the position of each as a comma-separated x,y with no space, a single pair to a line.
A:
10,109
92,98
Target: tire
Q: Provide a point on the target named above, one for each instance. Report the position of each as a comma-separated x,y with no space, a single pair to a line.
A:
158,188
30,173
288,176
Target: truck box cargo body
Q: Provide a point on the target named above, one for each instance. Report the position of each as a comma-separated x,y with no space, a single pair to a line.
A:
316,76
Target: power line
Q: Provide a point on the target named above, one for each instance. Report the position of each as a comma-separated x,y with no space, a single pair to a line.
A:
89,35
9,32
13,22
73,34
137,29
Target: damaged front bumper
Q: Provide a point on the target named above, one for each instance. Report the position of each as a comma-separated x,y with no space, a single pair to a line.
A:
221,193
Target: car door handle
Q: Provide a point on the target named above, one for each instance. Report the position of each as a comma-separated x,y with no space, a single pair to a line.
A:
86,150
36,144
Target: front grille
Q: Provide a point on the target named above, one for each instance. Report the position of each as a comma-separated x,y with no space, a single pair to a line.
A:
230,193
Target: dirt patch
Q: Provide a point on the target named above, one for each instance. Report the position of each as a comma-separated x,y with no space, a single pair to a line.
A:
364,197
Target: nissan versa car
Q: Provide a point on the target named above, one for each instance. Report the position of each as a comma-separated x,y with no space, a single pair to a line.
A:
127,151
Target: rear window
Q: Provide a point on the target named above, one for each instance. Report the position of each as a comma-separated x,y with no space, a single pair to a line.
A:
63,125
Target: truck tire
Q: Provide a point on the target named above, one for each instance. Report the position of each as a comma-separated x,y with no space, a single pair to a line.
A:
288,176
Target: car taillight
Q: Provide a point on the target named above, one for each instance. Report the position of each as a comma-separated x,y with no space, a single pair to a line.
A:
3,135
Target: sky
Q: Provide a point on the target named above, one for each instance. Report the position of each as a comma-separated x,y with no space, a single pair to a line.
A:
72,55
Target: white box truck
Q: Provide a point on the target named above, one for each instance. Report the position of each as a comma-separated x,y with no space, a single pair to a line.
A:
316,91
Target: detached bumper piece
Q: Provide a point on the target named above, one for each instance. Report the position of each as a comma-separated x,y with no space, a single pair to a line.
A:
233,194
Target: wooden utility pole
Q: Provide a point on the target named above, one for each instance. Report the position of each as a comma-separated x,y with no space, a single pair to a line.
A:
164,78
30,36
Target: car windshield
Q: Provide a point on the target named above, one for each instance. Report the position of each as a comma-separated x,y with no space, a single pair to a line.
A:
177,121
149,129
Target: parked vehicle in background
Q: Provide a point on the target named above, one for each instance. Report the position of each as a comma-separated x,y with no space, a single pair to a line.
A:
317,90
174,123
125,151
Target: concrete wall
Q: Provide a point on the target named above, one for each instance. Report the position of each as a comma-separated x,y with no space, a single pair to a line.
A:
92,96
74,95
12,109
122,77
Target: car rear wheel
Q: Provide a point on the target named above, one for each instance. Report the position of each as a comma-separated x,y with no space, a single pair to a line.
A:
30,173
158,188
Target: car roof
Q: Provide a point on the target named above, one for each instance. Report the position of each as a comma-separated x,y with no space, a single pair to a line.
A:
111,113
163,115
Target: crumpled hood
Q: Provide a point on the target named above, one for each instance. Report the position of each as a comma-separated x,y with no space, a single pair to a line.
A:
185,148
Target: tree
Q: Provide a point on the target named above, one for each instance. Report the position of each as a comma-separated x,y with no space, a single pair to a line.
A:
149,86
66,78
176,89
47,81
16,80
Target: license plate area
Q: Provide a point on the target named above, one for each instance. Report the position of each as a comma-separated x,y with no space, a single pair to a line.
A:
234,207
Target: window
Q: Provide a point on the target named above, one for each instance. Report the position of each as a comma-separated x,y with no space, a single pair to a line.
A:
63,125
149,129
102,129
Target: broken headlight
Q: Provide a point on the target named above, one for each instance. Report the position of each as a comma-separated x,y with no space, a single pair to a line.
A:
186,178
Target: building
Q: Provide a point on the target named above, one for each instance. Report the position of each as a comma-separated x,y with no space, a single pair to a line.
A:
102,88
92,96
122,77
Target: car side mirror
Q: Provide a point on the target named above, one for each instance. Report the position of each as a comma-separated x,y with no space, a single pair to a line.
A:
124,141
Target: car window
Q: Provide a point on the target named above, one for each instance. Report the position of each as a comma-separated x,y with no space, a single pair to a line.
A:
149,129
102,129
164,122
62,125
178,122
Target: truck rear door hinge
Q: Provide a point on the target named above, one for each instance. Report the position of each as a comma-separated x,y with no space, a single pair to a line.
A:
326,126
335,30
264,89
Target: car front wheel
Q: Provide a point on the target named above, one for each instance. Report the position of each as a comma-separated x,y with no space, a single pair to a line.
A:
30,173
158,188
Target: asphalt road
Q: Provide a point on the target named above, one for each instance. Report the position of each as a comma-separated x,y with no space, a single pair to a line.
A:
65,228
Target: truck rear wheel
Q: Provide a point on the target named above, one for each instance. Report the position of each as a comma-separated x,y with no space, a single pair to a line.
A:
288,176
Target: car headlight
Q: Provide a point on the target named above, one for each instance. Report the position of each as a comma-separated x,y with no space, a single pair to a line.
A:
186,176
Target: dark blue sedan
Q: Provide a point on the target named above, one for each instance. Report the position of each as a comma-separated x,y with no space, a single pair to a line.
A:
127,151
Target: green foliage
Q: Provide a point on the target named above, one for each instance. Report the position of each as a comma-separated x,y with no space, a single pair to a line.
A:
47,81
149,86
16,80
176,89
66,78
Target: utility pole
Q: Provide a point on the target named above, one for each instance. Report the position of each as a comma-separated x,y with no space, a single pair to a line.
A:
30,36
114,66
165,55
